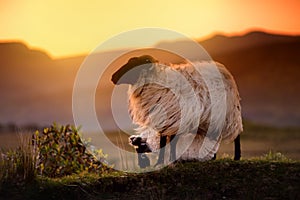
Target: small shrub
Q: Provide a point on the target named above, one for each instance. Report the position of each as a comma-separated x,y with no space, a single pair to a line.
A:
275,156
60,152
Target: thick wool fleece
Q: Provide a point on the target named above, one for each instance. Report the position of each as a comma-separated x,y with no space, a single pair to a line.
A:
180,99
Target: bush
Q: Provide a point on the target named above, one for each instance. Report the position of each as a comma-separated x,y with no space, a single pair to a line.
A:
60,152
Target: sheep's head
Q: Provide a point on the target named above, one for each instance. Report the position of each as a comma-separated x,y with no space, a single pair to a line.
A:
130,72
139,144
141,148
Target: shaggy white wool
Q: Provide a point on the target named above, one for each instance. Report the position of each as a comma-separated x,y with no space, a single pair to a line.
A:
180,99
188,146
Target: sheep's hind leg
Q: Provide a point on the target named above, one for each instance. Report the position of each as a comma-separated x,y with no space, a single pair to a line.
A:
237,148
173,142
162,144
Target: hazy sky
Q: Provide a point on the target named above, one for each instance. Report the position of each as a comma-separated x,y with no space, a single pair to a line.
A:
65,27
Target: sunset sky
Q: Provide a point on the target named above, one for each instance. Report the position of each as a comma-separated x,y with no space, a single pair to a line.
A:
70,27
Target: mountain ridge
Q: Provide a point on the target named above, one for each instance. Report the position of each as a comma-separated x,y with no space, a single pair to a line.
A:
36,88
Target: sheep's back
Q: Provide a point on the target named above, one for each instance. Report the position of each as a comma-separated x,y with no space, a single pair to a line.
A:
153,105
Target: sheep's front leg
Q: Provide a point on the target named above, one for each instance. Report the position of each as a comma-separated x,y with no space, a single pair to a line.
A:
237,148
215,157
162,144
173,142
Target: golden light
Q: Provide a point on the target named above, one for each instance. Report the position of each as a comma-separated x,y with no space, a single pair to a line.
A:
71,27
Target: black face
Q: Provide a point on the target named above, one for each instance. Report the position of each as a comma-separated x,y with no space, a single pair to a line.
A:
139,144
135,141
141,148
129,73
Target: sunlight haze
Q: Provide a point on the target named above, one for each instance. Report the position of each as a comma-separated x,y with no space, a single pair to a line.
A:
64,28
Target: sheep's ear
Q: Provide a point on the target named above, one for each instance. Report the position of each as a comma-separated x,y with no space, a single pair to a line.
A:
130,72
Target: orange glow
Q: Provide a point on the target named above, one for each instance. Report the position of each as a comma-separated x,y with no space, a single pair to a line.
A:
69,27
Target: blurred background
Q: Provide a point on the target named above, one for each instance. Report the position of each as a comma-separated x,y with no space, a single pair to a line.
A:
43,44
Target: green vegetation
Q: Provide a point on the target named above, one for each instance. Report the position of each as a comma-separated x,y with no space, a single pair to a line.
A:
220,179
54,164
61,152
57,151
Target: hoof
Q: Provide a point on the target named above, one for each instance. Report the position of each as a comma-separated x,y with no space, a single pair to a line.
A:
237,158
159,162
172,165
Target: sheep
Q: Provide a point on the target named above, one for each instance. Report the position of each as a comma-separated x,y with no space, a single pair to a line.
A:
162,102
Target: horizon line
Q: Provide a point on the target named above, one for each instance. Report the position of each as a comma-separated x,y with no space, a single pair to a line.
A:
200,39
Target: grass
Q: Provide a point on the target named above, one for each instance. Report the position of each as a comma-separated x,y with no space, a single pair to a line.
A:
18,165
267,175
259,139
261,178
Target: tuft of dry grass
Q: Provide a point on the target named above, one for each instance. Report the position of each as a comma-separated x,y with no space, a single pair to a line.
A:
18,165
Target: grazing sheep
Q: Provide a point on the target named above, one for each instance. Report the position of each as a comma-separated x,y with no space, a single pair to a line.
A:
174,100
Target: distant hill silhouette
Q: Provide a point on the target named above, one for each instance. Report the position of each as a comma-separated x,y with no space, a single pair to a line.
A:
267,71
37,89
34,88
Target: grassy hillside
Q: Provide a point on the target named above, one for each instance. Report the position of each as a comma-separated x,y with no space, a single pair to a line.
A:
268,176
265,178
